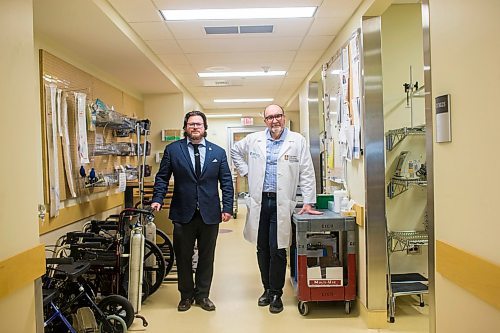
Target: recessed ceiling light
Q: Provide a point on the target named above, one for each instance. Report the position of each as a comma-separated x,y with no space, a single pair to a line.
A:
242,74
243,100
237,13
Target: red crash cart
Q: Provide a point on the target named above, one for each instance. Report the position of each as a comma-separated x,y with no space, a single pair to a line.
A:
323,259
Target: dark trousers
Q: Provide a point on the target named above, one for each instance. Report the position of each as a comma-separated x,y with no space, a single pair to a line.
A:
272,261
185,236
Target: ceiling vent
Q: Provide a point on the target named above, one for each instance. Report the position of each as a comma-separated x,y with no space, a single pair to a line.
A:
243,29
256,29
221,30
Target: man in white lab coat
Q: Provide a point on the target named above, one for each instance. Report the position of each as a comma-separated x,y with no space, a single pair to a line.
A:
275,161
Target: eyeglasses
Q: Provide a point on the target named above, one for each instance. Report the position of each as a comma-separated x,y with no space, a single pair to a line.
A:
192,125
272,117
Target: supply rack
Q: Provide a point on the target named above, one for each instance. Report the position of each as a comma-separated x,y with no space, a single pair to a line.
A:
398,185
395,136
405,283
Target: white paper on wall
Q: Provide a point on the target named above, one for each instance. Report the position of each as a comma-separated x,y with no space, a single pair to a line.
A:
52,147
58,108
357,127
122,181
81,107
68,164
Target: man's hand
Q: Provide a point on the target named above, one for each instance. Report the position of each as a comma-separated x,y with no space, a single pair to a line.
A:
156,206
307,208
226,217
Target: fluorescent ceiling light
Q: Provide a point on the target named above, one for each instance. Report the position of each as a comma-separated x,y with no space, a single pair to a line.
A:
237,13
227,115
242,74
243,100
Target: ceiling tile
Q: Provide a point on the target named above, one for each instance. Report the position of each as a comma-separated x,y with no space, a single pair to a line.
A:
174,59
337,8
326,26
137,10
181,69
152,30
270,59
239,44
316,43
304,55
164,46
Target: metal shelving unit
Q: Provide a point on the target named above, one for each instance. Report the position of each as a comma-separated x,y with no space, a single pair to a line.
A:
410,283
394,137
398,185
405,283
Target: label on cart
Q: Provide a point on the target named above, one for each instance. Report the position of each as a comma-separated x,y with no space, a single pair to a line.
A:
333,278
324,283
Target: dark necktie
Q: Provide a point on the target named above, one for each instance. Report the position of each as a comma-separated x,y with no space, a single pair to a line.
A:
197,161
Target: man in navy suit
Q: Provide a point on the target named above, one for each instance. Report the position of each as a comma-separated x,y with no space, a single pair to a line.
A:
198,166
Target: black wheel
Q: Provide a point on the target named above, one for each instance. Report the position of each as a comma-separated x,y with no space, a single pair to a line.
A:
167,249
422,304
119,306
303,308
347,307
391,319
235,215
154,266
114,324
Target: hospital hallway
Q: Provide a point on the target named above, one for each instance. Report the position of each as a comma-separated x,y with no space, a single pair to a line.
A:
235,289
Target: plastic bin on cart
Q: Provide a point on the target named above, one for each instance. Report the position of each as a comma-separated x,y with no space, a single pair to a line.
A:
323,259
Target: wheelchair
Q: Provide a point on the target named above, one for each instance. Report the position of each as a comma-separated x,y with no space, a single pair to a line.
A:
67,297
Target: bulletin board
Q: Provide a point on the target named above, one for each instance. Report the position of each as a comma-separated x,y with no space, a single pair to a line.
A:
342,108
62,83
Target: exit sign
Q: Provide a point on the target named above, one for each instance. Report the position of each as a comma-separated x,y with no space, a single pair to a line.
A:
247,121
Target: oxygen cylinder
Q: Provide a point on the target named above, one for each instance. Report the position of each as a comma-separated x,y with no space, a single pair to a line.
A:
150,232
135,271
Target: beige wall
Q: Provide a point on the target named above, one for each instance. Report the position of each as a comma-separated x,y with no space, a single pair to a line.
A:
21,171
465,57
402,47
166,111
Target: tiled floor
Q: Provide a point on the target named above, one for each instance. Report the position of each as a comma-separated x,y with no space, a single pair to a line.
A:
235,289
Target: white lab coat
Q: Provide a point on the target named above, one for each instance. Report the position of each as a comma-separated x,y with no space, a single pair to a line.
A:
295,167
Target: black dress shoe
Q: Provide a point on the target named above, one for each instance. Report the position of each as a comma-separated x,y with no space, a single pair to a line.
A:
276,305
264,300
206,304
185,304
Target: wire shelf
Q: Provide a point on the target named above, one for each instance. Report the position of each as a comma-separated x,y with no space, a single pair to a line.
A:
117,149
394,137
402,240
398,185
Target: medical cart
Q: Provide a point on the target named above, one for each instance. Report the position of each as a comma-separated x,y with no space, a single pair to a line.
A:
323,259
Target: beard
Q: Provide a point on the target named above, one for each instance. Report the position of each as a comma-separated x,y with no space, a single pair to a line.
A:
276,130
198,135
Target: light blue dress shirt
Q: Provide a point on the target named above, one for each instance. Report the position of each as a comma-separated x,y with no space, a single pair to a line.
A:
272,150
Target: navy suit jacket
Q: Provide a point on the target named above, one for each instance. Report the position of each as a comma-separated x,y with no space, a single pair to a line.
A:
188,190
